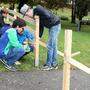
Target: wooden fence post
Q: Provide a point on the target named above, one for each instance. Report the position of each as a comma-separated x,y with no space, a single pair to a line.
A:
37,41
67,56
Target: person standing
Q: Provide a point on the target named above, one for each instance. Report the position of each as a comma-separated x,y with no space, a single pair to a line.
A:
50,21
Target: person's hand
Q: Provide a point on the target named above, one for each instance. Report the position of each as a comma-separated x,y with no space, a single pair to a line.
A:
26,42
26,48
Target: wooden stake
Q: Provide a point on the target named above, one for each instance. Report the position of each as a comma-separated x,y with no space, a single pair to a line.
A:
37,41
67,56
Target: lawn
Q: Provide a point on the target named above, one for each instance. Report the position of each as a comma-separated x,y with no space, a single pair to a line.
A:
80,42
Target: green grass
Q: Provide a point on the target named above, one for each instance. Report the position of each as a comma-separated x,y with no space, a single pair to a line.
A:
80,42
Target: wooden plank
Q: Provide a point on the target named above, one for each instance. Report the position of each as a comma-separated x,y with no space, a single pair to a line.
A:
13,18
76,53
15,13
79,65
59,52
66,76
44,45
26,18
67,56
37,41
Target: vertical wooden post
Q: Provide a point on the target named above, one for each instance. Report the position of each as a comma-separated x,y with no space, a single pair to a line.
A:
15,15
6,19
37,41
67,56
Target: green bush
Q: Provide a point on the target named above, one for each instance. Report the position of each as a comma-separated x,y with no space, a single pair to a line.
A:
64,18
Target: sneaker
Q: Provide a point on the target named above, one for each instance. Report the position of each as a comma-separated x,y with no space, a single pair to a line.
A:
55,67
3,61
11,68
47,68
17,63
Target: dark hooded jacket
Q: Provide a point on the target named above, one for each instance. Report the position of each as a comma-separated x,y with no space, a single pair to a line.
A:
47,18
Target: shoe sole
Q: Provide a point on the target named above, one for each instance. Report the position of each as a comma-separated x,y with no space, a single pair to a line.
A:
48,69
3,61
6,66
55,68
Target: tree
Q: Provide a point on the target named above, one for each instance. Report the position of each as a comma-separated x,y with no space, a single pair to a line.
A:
54,4
81,8
73,11
81,11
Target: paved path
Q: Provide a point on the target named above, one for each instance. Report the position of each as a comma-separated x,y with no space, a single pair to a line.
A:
42,80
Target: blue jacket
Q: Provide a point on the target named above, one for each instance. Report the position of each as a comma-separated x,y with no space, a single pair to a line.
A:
9,40
26,34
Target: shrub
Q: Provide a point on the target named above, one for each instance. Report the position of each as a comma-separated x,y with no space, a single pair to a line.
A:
64,18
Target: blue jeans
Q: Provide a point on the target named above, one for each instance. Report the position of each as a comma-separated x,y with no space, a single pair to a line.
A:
52,45
14,55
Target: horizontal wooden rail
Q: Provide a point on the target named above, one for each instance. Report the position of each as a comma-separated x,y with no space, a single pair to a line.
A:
79,65
60,53
26,18
74,54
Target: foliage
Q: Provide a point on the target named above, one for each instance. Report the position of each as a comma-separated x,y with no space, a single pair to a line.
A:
54,4
81,8
48,3
64,18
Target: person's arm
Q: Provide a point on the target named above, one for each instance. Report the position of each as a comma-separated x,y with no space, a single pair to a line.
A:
41,30
30,36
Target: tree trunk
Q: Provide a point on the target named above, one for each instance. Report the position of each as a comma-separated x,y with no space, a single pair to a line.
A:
73,18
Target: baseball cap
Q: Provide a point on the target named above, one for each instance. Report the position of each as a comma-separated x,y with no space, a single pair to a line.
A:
24,9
